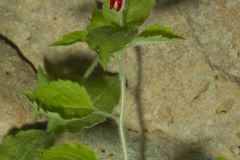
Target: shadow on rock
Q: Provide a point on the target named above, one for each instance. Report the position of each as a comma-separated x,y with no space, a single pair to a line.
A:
163,4
86,7
168,2
193,155
37,125
73,64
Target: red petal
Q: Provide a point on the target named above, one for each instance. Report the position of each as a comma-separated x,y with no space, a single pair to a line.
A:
119,5
112,3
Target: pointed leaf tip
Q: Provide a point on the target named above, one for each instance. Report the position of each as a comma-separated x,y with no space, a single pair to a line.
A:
70,38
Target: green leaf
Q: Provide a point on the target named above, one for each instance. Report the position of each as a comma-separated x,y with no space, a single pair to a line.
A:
69,152
26,145
109,39
104,91
58,124
137,11
42,79
111,15
155,34
221,158
97,20
67,98
70,38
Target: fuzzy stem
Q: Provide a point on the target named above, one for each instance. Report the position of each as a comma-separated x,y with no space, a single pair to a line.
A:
122,107
122,16
90,69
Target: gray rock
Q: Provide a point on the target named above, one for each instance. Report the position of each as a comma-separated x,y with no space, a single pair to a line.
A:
16,78
41,22
104,140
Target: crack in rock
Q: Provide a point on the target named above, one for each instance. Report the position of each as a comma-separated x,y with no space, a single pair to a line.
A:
17,49
225,75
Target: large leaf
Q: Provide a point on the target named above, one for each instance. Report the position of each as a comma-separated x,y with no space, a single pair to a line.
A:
68,99
156,34
70,38
104,91
107,40
69,152
26,145
137,11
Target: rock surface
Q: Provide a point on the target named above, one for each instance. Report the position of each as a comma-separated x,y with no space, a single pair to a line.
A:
189,90
16,77
157,145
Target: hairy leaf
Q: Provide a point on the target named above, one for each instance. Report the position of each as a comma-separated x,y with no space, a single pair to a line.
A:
26,145
137,11
69,152
109,39
104,91
97,20
67,98
156,34
70,38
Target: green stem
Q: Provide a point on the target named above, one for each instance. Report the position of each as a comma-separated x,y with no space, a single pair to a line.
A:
121,20
122,15
90,69
122,107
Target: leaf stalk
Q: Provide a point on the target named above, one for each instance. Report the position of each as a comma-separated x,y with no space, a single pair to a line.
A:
90,69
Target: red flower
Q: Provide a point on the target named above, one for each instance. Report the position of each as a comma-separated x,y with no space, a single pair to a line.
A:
119,4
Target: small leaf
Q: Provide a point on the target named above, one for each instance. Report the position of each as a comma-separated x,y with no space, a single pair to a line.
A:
155,34
137,11
111,15
42,79
70,38
67,98
107,40
97,20
69,152
26,145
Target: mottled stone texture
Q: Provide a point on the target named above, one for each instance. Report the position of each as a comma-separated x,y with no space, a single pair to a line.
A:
16,78
188,90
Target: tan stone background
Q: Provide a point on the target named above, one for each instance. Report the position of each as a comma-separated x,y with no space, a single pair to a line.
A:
188,90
